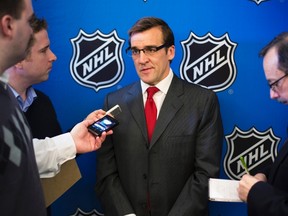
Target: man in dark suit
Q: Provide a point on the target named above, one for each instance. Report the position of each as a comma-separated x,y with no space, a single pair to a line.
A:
267,193
167,175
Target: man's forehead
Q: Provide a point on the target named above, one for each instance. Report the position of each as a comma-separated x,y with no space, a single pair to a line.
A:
42,36
146,41
148,37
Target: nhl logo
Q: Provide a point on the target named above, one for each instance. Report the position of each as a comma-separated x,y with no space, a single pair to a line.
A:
258,1
257,148
94,212
97,60
208,61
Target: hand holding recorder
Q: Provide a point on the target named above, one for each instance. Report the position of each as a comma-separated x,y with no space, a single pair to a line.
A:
106,123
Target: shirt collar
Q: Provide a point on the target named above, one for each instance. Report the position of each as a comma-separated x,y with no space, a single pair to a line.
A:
31,96
163,85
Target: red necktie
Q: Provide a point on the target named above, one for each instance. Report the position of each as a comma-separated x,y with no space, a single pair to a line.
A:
150,111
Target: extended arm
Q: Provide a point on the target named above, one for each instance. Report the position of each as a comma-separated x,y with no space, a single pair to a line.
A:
51,153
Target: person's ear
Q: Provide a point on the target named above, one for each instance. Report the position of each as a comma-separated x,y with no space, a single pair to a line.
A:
6,25
19,65
171,52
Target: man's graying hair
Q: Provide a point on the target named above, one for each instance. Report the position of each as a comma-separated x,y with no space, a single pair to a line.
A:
147,23
280,42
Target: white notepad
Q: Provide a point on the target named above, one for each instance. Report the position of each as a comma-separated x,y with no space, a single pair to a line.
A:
223,190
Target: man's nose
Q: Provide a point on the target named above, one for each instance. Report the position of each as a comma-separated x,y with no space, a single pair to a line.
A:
274,94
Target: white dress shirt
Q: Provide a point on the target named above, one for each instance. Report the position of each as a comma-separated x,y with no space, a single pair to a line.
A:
51,153
159,96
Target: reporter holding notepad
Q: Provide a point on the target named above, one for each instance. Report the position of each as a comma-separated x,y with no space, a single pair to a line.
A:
267,193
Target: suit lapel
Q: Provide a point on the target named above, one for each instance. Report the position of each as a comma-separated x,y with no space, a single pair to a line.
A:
170,107
135,105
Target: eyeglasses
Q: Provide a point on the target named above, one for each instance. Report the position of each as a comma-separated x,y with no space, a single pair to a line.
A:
148,51
274,86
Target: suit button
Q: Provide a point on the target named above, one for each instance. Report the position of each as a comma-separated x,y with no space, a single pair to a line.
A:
144,176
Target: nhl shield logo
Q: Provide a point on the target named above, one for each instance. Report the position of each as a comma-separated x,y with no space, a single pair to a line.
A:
257,148
258,1
94,212
208,61
97,59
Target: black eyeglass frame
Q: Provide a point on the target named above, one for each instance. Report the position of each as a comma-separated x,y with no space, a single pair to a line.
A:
143,50
271,85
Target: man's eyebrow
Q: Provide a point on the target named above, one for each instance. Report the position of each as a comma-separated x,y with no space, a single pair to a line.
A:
44,48
149,46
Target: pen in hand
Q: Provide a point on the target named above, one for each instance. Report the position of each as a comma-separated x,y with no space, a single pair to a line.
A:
244,165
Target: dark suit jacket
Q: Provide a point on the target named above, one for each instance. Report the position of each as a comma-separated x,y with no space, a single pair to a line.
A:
272,198
184,152
42,117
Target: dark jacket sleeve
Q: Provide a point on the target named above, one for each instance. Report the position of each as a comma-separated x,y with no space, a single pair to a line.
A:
264,199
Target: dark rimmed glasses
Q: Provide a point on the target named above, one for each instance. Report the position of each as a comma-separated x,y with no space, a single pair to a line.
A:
148,50
274,85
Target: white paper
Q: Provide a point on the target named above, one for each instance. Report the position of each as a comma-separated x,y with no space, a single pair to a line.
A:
223,190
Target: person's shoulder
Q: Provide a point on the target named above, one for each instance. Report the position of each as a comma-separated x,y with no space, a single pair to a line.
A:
41,96
188,86
40,93
127,88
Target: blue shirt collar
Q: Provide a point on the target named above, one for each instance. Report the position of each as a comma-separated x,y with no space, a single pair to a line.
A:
31,96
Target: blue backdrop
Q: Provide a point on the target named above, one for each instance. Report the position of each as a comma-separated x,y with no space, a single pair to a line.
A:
236,29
